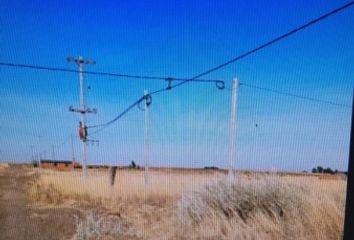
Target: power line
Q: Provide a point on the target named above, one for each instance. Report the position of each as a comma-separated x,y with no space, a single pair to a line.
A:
120,75
120,115
254,50
277,39
219,84
195,78
295,95
125,111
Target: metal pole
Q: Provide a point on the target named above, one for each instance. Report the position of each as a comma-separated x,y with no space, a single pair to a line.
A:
349,205
82,114
82,109
146,140
53,153
39,154
232,133
32,154
72,150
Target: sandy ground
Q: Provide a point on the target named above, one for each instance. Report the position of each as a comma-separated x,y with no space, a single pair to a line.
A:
20,218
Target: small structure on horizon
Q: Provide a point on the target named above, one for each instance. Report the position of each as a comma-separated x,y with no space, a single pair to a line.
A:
59,165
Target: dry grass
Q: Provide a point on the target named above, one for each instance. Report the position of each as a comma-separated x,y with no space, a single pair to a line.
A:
163,188
102,227
266,208
203,205
4,166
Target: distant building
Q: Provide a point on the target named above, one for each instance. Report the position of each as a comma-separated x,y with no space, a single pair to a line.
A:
59,165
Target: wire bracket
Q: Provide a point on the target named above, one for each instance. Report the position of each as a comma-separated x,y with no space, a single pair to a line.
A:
169,79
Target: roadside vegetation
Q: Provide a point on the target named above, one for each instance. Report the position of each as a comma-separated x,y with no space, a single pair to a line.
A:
197,205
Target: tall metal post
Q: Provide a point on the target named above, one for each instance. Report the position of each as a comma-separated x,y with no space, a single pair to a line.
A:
82,116
53,152
32,153
349,204
39,153
72,150
83,109
232,133
146,139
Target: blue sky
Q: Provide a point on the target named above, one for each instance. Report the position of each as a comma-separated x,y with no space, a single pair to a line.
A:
189,125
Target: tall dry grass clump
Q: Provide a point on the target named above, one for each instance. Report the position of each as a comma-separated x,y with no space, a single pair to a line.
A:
129,189
262,208
94,227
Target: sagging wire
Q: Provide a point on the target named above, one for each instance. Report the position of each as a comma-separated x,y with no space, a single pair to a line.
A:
148,98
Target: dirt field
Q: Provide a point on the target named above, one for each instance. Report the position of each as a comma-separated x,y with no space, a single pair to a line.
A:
21,218
178,204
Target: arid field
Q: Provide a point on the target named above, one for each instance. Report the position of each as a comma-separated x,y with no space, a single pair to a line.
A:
190,204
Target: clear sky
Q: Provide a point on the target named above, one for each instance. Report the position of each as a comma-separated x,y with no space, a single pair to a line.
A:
189,125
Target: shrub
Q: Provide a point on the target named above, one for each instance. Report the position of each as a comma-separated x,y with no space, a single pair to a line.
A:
99,227
320,169
267,208
328,170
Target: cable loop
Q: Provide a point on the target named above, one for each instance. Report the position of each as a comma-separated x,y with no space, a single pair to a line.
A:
148,99
220,84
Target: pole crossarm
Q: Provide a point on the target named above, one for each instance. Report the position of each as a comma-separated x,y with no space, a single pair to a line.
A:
83,111
80,60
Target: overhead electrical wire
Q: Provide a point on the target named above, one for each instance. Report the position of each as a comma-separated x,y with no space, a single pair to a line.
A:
219,84
239,57
119,75
264,45
120,115
295,95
